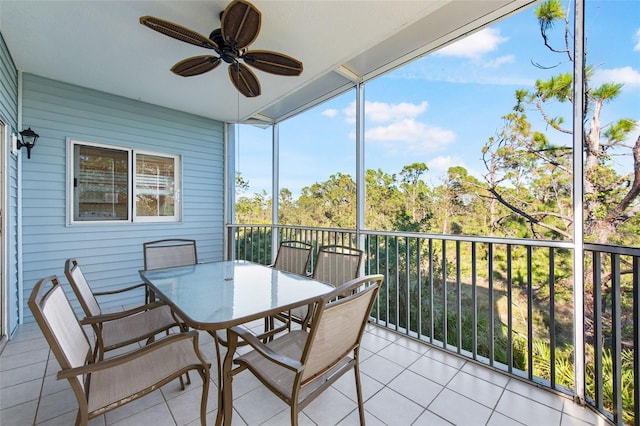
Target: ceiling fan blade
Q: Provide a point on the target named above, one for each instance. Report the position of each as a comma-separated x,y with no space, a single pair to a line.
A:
178,32
240,23
195,65
245,81
273,62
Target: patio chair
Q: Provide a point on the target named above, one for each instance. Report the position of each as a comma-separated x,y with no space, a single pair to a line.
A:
118,329
104,385
298,366
169,253
293,256
334,265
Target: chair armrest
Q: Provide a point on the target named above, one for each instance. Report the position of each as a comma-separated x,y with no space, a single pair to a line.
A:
266,351
120,290
130,356
96,319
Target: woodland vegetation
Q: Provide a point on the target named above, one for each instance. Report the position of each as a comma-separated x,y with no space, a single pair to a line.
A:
526,192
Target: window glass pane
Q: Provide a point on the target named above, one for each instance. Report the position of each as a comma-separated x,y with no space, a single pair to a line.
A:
155,185
101,184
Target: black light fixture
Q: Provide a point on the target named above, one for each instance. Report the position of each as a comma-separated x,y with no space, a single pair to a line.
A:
29,138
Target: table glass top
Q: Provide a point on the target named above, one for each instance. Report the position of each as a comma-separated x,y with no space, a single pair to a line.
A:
221,294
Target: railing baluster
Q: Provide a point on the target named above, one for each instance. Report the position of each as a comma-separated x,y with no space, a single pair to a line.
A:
445,308
458,299
397,281
407,301
552,319
387,266
474,303
509,310
636,338
529,313
419,287
431,289
597,328
616,342
490,308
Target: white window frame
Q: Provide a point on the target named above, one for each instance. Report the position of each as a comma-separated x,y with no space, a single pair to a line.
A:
131,193
177,194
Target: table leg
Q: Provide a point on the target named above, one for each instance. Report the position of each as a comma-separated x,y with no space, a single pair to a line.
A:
219,416
227,391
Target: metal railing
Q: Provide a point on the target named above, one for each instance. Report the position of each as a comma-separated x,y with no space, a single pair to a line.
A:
505,303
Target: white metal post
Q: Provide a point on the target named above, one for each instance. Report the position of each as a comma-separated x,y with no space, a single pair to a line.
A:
230,187
360,166
578,214
275,187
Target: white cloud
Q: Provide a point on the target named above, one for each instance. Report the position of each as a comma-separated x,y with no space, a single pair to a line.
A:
410,136
331,112
627,75
637,37
496,63
381,112
439,166
475,45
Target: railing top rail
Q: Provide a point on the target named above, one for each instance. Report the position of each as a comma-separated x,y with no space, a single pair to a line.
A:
447,237
613,249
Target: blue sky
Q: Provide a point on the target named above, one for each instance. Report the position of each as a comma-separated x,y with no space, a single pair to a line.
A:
441,109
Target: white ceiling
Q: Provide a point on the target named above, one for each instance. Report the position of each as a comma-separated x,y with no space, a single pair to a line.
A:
101,45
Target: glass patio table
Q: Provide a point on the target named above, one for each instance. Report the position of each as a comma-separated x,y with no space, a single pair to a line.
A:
219,295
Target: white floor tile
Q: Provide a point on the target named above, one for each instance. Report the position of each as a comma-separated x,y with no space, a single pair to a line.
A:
537,394
527,411
380,368
429,419
433,370
416,387
347,385
393,408
459,409
477,389
330,407
374,343
399,355
486,374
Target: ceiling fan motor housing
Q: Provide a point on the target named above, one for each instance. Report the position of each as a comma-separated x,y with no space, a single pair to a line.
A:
227,52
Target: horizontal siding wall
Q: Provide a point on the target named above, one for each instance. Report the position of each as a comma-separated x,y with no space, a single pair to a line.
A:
9,113
111,254
8,86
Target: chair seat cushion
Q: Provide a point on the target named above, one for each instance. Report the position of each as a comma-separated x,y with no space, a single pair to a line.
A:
129,329
145,373
281,379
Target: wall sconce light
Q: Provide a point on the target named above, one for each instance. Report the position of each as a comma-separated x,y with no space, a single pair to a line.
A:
29,138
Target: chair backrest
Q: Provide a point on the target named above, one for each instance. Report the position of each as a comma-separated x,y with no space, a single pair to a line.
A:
81,288
337,265
293,256
338,325
169,253
59,324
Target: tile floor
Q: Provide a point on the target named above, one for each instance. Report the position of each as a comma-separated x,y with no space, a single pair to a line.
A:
404,383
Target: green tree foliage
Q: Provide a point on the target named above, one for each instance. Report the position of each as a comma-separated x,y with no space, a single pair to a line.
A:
539,166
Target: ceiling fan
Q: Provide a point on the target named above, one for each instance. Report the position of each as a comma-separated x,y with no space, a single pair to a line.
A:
239,27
